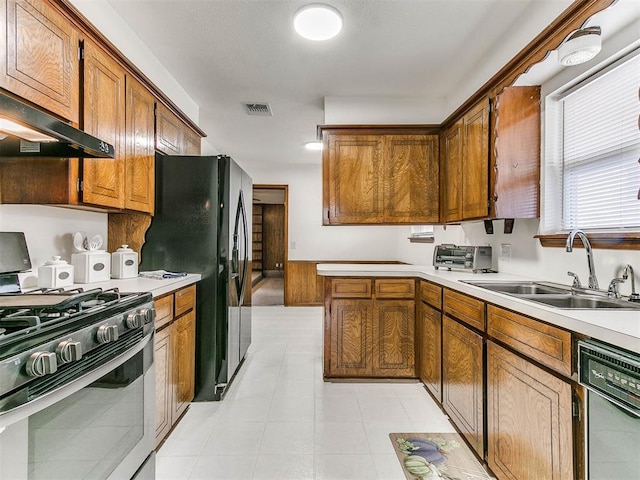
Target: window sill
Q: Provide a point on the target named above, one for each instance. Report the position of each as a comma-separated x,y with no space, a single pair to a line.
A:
421,239
612,241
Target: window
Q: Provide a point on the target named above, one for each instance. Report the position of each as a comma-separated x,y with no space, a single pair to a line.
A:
421,233
592,174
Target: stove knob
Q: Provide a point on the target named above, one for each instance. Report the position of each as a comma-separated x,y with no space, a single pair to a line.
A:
107,333
41,364
133,320
69,352
149,315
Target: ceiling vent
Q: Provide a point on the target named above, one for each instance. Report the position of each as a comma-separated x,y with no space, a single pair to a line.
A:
263,109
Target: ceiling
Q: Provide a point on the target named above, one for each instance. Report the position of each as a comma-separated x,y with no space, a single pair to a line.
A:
224,53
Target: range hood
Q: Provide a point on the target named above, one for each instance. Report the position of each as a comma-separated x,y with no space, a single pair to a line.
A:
28,132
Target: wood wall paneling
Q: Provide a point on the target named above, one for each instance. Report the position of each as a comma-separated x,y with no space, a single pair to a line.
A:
273,237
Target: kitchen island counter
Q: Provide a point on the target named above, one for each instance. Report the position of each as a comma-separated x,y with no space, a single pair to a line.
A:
620,328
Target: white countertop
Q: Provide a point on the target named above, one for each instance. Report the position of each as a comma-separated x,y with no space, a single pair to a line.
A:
621,328
140,284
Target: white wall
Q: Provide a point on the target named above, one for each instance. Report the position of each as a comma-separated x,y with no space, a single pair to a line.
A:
313,240
49,231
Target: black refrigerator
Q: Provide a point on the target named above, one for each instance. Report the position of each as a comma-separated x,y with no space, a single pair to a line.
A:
202,225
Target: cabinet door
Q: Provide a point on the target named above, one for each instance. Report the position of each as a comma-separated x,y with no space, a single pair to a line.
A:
517,153
184,342
529,419
429,348
41,62
104,117
353,180
168,131
139,155
393,338
164,378
462,393
411,193
475,175
452,178
191,143
350,350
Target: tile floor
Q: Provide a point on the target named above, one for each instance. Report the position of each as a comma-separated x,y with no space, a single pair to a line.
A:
280,421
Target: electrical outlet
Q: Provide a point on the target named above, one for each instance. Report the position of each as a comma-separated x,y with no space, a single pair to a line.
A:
293,245
505,251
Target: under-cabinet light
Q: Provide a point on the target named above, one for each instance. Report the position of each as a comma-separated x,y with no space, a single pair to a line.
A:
12,128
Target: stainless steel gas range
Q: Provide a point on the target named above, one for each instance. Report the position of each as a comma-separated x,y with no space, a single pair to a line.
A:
76,385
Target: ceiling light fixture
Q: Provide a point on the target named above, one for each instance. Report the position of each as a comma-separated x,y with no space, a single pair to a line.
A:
318,22
316,146
581,46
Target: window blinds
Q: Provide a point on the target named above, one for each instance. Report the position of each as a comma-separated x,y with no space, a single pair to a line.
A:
601,151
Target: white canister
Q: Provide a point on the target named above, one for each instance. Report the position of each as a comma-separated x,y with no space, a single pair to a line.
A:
92,266
124,263
55,273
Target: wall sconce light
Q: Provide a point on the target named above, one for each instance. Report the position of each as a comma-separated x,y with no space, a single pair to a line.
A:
581,46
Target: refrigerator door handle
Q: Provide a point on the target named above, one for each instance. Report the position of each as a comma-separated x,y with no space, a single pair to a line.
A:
246,245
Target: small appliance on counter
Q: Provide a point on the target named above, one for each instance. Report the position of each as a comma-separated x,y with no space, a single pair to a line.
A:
55,273
14,258
124,263
89,262
464,257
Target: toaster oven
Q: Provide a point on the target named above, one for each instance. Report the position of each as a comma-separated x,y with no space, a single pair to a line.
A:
472,258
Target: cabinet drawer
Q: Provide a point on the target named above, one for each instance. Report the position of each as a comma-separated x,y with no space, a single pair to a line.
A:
544,343
395,288
466,309
351,288
431,294
164,311
185,300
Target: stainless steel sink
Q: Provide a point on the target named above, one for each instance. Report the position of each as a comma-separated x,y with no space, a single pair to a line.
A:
582,301
556,295
521,288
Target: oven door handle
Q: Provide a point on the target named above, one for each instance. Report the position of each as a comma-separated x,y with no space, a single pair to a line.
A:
25,410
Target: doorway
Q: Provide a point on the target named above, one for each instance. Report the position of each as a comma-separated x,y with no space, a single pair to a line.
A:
269,237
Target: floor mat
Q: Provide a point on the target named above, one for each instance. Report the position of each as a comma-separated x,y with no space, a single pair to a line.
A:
435,456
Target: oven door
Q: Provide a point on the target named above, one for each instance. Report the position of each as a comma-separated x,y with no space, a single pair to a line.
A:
99,426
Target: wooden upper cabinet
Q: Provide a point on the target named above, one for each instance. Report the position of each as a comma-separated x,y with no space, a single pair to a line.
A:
41,62
104,117
168,131
516,162
173,136
139,150
411,179
475,162
465,162
353,179
452,173
380,176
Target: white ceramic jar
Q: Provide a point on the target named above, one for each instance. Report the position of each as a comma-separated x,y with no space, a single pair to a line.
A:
92,266
124,263
55,273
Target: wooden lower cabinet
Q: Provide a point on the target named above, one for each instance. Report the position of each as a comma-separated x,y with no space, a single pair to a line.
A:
462,381
529,419
429,348
367,337
174,362
350,342
162,360
393,338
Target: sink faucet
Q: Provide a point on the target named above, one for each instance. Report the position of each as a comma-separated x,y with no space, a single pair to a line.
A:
593,281
628,271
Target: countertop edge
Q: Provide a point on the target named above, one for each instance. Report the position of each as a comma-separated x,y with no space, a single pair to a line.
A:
624,331
140,284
